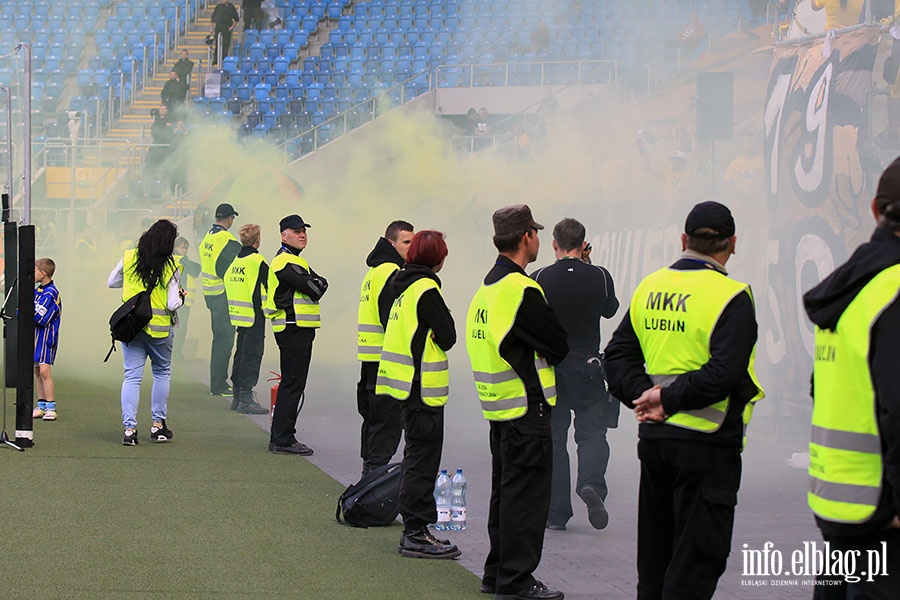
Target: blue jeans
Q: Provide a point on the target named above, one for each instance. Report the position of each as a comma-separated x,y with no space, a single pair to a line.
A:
135,355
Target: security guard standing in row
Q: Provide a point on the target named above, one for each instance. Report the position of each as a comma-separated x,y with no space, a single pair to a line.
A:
682,358
855,443
414,373
245,286
217,250
292,304
381,428
513,337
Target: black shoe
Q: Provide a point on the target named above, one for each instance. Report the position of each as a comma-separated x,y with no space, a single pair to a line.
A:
535,591
161,434
235,402
556,526
130,437
597,514
252,407
294,448
422,544
488,588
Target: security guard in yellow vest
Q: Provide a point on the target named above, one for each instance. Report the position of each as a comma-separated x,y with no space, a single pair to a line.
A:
513,338
413,372
381,427
292,304
190,271
682,358
217,250
854,450
245,286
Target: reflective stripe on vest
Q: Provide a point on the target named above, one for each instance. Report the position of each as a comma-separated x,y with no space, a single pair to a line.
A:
369,332
210,249
160,324
396,369
673,313
845,462
490,317
304,311
240,285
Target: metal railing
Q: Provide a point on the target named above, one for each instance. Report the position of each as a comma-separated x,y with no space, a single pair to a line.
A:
527,73
367,110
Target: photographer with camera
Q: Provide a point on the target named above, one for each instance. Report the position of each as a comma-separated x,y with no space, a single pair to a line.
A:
580,294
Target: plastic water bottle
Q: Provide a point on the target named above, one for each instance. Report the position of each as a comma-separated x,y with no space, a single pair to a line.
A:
442,499
458,501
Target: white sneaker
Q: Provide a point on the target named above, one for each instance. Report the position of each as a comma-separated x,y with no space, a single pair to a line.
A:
37,413
49,415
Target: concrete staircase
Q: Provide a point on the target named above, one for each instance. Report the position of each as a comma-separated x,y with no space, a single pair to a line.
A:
137,116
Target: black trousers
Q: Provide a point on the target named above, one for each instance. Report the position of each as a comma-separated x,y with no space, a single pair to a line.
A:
381,427
685,517
254,18
226,43
248,353
521,462
424,427
222,342
885,587
587,398
295,345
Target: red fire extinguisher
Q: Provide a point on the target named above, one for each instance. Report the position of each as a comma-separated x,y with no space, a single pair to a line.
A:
277,379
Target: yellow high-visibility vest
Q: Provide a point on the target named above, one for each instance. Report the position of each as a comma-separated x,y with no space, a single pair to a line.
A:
673,313
240,284
210,249
845,462
160,324
396,369
369,332
491,315
303,310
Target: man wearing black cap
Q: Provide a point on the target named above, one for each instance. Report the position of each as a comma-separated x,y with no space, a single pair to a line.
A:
217,250
854,462
293,306
682,358
513,338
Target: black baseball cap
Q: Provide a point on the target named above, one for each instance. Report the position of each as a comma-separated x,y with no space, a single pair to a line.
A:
709,215
293,222
223,211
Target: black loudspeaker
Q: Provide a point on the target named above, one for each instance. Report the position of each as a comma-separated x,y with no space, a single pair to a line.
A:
715,106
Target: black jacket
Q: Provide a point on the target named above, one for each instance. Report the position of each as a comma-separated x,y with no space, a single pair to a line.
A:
224,16
731,344
535,329
432,312
825,304
183,67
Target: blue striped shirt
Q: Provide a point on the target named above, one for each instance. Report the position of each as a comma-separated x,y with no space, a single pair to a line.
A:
47,314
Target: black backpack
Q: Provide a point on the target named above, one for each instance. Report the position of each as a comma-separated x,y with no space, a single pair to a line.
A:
372,502
129,319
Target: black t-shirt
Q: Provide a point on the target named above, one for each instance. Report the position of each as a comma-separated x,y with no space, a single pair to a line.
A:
580,294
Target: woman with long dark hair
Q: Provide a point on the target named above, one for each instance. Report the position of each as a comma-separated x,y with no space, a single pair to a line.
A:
150,267
413,369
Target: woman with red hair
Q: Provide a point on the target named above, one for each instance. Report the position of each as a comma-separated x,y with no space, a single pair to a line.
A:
413,369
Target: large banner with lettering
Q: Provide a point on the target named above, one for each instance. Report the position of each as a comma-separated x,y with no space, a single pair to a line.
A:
818,194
